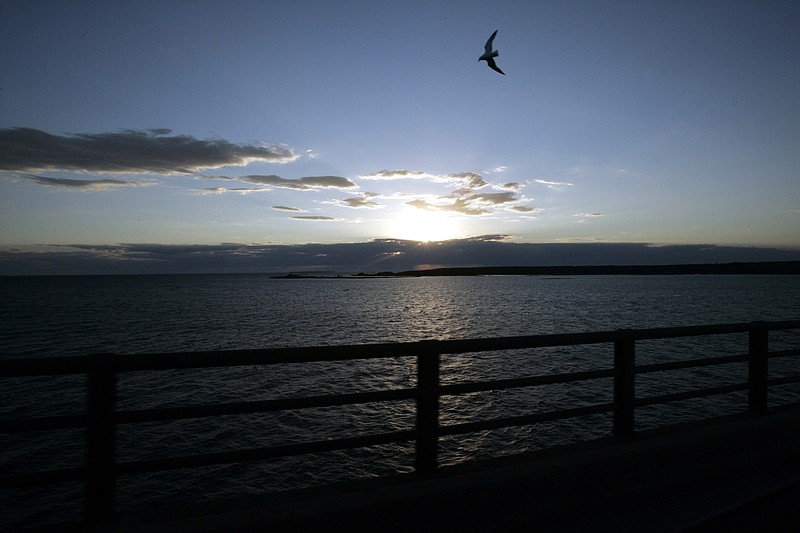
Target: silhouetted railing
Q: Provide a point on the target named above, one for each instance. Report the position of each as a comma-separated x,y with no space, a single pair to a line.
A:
102,415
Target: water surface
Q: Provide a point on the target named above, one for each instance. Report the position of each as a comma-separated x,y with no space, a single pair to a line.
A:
62,316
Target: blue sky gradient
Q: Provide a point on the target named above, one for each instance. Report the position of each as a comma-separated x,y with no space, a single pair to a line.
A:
260,123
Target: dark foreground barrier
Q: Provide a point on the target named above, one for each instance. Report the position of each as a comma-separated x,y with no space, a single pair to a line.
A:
102,416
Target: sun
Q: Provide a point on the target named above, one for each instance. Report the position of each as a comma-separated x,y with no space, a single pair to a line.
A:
425,226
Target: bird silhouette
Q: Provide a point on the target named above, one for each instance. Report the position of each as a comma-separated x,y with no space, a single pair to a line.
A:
489,55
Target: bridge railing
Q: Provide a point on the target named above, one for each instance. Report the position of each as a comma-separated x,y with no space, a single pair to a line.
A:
102,416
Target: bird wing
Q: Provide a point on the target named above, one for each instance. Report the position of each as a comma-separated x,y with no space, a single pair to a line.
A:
488,46
494,66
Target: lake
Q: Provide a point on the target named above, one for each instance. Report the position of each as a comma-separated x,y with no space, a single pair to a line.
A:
63,316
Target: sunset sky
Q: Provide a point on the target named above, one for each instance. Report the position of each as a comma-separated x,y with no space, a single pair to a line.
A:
253,125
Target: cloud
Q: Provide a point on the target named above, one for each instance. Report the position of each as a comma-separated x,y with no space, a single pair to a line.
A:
422,204
85,185
522,208
465,203
127,151
240,190
360,202
395,175
464,199
552,184
307,183
460,205
285,208
315,217
493,198
586,216
491,237
471,180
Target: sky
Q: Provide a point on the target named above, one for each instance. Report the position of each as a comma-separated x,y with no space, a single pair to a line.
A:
296,133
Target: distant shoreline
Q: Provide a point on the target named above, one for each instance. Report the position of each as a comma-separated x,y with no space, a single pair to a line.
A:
760,268
782,267
736,268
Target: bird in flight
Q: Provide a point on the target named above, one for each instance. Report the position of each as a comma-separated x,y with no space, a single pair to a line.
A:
489,55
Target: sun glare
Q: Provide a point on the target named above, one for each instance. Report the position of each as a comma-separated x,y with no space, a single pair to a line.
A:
425,226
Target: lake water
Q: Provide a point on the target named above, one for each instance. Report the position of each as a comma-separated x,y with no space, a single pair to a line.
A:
62,316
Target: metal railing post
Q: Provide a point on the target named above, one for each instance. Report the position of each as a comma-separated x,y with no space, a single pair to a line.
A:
427,408
100,440
758,342
624,384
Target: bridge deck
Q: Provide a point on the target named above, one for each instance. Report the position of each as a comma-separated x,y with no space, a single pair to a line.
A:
740,473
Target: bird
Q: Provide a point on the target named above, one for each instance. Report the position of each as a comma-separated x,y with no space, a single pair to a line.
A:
490,54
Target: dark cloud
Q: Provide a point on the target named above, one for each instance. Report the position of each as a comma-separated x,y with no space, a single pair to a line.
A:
285,208
84,185
374,256
311,182
522,208
128,151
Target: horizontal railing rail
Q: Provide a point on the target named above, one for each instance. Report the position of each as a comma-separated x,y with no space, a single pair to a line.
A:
102,417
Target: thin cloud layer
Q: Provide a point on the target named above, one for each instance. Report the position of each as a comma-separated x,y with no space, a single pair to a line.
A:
471,180
84,185
552,184
223,190
584,217
307,183
129,151
395,175
315,217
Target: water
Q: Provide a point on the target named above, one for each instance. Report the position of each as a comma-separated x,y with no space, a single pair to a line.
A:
60,316
130,314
